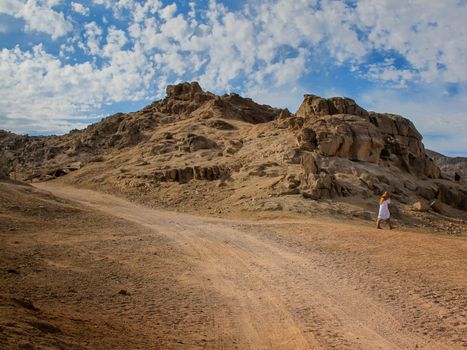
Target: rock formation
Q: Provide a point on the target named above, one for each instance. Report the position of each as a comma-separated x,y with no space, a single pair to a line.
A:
171,151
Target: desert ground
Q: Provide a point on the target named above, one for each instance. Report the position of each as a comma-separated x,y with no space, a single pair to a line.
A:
85,270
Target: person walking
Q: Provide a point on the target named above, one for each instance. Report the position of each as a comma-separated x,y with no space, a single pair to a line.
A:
384,214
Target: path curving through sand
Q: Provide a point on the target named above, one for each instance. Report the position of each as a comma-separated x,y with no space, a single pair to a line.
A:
283,284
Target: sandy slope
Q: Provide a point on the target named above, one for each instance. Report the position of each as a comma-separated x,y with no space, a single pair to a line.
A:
194,282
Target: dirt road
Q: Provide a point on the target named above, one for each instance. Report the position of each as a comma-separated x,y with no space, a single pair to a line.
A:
162,280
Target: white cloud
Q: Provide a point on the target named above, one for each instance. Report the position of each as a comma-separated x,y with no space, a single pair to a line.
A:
168,11
442,120
11,7
42,94
93,35
80,8
425,33
386,71
263,49
115,41
39,16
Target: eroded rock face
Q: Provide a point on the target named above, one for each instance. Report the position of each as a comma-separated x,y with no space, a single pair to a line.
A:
320,186
338,127
195,143
184,175
403,145
347,136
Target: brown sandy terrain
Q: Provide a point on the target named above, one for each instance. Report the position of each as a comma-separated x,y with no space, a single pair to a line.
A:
98,272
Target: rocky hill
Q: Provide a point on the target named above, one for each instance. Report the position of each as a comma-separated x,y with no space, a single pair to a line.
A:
195,151
449,165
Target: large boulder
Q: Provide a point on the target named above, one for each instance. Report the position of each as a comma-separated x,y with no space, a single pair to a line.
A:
195,143
319,186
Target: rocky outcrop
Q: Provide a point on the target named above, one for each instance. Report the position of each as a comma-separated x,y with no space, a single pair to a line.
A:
346,136
235,107
193,143
184,175
220,124
181,99
315,106
315,183
403,145
452,194
320,186
338,127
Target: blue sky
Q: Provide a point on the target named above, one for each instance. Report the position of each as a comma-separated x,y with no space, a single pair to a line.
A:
65,64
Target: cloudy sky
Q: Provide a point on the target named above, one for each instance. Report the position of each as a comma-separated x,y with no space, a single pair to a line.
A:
65,64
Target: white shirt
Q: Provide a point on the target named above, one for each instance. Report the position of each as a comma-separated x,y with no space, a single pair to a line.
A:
384,210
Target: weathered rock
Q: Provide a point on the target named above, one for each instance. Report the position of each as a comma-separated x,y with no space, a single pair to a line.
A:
320,186
368,180
220,124
309,163
344,129
315,106
58,173
307,139
291,182
348,137
233,106
427,192
421,206
234,146
45,327
184,90
404,143
182,99
164,148
452,195
285,114
26,303
439,207
184,175
270,206
197,142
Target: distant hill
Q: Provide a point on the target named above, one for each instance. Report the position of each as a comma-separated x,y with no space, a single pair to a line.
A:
449,165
